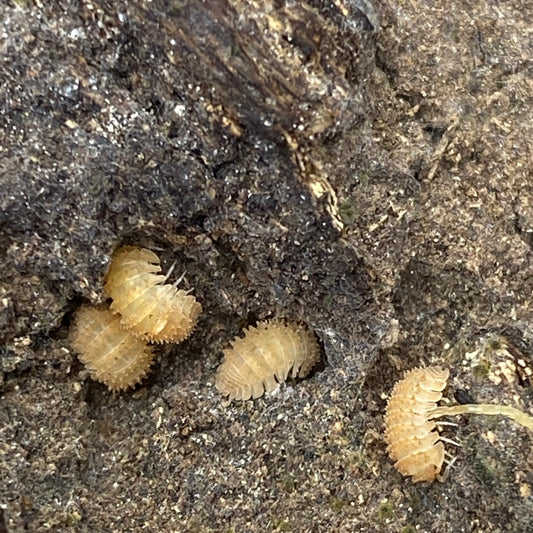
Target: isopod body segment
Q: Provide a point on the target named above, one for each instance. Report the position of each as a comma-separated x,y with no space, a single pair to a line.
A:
152,309
259,361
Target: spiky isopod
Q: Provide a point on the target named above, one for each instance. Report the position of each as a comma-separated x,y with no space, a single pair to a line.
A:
257,362
112,354
409,428
412,442
152,309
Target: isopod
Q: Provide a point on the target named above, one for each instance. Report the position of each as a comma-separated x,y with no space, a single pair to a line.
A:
112,354
412,442
410,432
152,309
257,362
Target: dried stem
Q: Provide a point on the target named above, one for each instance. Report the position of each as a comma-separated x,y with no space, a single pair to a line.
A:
485,409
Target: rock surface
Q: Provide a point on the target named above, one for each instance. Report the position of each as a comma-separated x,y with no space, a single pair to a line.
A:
365,171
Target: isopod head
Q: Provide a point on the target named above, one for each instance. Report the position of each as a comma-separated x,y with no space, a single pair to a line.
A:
112,354
152,309
259,361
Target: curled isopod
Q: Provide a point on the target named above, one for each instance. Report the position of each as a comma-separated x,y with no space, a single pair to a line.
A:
152,309
257,362
410,431
112,354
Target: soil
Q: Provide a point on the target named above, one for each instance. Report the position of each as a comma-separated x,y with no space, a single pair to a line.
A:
366,170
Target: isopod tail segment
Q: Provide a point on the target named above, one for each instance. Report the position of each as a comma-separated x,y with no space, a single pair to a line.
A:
413,443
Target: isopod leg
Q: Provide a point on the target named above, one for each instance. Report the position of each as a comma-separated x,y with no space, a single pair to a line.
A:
450,441
446,472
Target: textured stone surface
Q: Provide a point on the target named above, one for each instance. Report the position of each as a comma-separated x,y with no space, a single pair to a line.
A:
396,222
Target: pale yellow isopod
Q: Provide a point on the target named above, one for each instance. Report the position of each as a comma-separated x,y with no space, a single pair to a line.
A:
414,443
112,354
259,361
152,309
